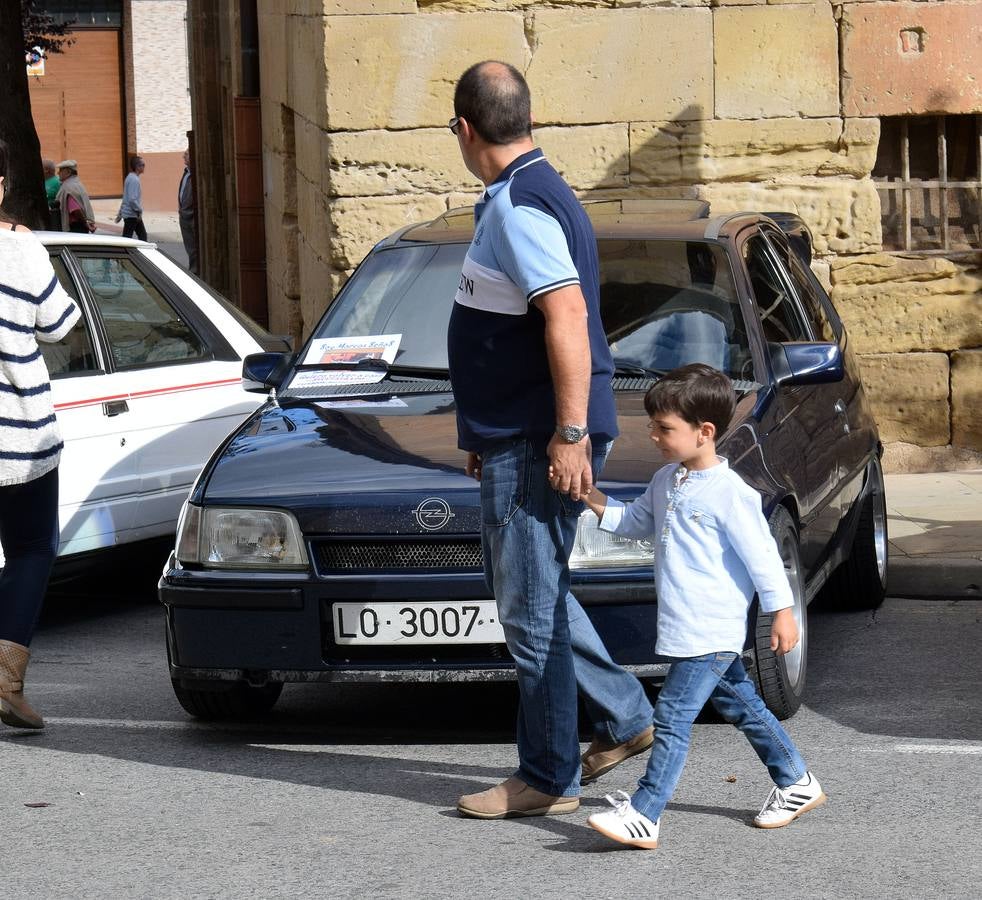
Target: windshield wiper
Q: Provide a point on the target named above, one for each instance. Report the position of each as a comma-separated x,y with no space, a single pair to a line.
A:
632,369
434,372
380,365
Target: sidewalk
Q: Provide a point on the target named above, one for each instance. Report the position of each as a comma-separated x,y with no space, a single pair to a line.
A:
934,523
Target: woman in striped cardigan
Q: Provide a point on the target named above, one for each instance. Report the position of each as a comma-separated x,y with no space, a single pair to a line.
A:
33,307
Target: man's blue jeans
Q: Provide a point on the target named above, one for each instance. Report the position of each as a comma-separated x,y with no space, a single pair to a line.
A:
721,679
528,533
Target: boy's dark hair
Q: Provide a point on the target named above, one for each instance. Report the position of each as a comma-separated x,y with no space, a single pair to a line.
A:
494,98
696,393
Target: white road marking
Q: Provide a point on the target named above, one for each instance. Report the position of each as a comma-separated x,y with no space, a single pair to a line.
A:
964,749
970,749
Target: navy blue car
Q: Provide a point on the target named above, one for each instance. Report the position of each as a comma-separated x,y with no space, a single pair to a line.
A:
334,536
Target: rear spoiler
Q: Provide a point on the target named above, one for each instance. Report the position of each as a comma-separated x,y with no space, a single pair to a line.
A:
799,237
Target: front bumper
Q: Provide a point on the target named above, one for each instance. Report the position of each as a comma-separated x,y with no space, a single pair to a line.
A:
263,627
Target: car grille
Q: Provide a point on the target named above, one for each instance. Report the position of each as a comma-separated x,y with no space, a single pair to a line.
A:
459,555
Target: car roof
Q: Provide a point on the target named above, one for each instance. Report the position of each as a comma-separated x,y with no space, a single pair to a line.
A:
74,239
625,218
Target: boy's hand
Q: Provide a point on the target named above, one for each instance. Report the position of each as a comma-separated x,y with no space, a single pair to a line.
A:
472,468
784,632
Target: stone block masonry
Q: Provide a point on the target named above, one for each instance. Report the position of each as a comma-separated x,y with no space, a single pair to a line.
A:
751,104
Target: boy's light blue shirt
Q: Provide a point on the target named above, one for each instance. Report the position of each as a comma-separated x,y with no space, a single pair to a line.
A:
712,549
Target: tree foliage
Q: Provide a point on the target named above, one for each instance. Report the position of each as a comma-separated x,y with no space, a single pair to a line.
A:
42,31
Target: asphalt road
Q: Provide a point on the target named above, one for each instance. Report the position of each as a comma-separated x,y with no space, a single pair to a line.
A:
349,792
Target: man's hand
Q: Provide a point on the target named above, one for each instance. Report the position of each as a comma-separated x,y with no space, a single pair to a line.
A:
570,467
784,632
472,468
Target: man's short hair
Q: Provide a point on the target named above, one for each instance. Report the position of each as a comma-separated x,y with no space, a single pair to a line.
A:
696,393
135,161
494,99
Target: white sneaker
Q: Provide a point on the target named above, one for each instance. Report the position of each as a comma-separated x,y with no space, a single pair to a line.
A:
784,805
625,824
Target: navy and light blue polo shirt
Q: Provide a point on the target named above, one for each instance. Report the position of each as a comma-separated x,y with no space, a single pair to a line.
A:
531,237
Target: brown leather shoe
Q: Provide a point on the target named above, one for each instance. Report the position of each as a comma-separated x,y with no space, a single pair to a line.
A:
14,708
513,798
600,757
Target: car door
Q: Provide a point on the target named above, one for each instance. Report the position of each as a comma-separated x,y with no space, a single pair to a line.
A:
810,428
183,380
98,481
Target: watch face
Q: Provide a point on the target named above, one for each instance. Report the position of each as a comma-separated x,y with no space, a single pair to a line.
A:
573,434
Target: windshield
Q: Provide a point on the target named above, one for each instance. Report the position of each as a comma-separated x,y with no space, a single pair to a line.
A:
663,303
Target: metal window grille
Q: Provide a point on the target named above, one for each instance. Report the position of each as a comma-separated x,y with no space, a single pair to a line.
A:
927,172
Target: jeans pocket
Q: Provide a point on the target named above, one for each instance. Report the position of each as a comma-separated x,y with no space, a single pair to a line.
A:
504,481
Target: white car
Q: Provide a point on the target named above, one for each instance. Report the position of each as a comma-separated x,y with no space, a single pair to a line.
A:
145,387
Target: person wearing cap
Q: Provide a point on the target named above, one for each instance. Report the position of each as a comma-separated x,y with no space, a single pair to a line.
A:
73,198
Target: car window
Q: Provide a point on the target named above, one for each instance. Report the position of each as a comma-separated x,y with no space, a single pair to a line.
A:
670,303
74,353
816,306
664,303
781,320
141,325
402,290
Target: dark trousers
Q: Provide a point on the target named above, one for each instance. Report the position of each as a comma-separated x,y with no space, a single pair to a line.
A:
134,227
29,537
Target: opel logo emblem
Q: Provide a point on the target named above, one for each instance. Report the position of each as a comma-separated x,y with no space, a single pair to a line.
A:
433,514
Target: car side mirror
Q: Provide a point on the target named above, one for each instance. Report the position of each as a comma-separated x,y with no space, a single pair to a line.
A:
805,362
262,371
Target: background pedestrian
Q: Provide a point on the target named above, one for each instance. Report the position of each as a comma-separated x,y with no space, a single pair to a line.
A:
33,306
185,212
51,184
73,199
131,207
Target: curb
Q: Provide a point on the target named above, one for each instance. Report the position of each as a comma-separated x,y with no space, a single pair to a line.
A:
935,578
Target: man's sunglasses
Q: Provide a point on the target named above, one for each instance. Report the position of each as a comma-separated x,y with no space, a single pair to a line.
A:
454,124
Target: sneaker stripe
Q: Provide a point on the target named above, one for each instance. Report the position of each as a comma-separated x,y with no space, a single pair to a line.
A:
631,831
644,827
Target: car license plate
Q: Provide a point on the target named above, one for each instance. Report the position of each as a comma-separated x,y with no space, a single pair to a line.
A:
434,622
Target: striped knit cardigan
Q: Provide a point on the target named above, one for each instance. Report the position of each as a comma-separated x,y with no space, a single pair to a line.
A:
33,307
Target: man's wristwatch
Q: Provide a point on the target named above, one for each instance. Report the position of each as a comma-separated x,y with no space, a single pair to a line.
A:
572,434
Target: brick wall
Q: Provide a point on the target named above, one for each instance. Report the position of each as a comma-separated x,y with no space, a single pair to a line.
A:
159,101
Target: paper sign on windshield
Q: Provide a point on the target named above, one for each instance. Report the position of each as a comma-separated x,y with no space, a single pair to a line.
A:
346,350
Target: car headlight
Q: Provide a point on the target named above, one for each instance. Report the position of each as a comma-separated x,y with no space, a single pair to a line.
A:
219,538
596,549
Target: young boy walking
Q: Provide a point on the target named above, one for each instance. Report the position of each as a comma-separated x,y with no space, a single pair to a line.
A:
713,550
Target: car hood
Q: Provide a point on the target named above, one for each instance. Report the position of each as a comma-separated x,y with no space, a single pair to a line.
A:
366,466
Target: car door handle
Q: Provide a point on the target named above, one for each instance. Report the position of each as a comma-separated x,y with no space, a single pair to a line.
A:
115,407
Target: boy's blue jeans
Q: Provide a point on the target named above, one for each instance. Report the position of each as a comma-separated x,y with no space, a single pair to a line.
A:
721,679
527,533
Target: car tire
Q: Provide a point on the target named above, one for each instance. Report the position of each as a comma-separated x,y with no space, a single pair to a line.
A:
781,679
861,581
236,701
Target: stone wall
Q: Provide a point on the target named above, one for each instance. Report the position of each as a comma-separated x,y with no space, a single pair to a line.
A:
750,104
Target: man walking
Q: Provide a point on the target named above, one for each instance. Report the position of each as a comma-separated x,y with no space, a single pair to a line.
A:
131,207
531,373
185,214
